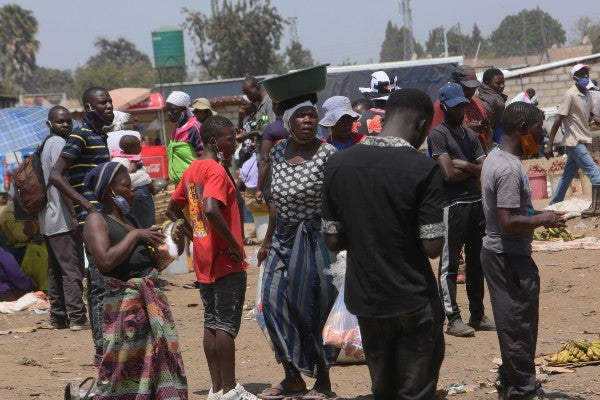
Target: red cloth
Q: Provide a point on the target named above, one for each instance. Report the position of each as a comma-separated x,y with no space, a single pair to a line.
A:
203,179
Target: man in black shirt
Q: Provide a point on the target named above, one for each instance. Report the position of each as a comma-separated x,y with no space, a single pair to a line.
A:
459,154
382,201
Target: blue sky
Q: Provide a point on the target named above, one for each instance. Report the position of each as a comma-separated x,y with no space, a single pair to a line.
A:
332,29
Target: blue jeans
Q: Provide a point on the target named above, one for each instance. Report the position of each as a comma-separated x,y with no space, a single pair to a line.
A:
578,157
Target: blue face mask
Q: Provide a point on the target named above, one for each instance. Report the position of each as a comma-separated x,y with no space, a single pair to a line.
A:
121,203
583,82
181,118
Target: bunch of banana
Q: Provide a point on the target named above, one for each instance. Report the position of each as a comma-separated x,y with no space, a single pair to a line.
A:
577,351
556,234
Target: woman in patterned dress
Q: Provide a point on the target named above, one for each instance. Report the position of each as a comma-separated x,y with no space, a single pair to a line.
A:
297,295
141,357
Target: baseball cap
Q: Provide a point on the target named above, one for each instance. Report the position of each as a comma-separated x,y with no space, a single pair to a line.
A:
452,94
578,67
202,104
335,108
465,75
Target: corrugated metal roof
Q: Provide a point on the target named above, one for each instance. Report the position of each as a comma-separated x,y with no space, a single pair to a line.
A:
552,65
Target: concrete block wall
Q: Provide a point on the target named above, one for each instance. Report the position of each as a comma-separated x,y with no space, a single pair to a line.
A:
550,85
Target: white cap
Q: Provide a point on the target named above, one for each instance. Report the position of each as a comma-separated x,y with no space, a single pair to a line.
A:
578,67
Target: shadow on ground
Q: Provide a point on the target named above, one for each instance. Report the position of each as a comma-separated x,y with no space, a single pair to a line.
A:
563,396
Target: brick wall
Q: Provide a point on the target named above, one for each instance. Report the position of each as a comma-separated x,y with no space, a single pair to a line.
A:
550,85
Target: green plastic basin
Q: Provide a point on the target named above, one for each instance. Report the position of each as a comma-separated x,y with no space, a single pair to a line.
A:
297,83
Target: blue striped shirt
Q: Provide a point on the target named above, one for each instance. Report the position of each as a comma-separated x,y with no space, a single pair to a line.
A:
86,148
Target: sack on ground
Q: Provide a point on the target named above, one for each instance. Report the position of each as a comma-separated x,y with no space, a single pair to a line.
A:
341,329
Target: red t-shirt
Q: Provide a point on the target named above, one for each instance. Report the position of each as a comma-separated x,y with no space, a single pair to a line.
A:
207,178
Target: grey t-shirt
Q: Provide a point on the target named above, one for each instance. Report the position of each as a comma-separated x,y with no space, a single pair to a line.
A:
264,116
504,184
55,218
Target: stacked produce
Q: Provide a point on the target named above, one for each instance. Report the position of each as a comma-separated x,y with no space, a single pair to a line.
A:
576,351
537,168
557,167
556,234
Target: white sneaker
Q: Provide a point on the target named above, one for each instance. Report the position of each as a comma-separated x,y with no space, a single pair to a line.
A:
239,393
215,396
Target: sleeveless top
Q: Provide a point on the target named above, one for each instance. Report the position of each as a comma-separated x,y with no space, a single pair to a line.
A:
297,188
138,264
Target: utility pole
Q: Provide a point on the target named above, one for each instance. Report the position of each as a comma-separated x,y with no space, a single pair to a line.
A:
541,16
294,29
524,27
408,49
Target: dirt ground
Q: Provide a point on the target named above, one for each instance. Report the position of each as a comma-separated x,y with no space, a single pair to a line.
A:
38,364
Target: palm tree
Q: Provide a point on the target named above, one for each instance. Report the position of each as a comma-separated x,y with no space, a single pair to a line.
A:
18,46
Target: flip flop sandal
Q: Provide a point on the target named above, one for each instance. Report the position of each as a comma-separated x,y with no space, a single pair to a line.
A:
282,394
249,242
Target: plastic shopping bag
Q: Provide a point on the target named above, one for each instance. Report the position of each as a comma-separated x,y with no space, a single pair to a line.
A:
258,306
341,330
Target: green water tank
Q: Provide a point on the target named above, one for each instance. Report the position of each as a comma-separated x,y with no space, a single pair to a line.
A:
167,44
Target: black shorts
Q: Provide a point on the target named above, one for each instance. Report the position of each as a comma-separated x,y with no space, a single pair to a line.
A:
223,302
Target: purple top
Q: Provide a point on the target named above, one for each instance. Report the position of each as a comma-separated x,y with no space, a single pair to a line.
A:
275,130
11,275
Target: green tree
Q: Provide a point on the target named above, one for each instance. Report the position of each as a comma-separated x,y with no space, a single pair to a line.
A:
117,64
18,46
478,41
297,57
119,51
531,30
459,44
49,80
238,38
585,27
435,42
392,48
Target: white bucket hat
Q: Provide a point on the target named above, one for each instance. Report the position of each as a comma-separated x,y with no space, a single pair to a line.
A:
335,108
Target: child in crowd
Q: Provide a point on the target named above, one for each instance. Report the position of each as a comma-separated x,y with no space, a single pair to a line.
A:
129,155
209,191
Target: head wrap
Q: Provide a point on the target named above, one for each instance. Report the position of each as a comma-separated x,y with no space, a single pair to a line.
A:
180,99
287,115
100,177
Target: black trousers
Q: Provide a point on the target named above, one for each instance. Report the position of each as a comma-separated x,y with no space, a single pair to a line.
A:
404,353
514,286
465,225
65,276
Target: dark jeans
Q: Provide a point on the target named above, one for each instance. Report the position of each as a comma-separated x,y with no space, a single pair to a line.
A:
143,208
404,353
65,275
514,286
465,225
96,292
